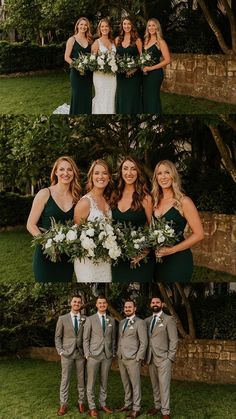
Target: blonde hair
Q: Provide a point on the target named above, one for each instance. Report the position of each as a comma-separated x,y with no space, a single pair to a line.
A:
75,187
157,193
110,36
147,35
90,185
88,34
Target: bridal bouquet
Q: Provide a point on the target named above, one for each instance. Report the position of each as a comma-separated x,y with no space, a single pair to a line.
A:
126,63
133,241
146,59
84,62
161,233
105,62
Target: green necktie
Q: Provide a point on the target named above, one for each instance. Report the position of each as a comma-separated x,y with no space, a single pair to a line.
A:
103,324
76,327
125,325
153,323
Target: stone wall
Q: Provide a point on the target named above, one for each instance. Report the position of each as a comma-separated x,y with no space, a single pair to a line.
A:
208,76
218,249
210,361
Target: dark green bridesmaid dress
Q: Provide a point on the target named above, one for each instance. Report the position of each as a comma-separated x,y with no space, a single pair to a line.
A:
179,266
128,93
81,86
122,272
44,269
152,85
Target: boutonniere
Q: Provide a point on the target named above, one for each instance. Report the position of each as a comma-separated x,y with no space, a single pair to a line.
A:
108,322
160,322
130,324
82,319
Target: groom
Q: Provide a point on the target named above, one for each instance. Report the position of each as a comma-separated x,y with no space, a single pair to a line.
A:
69,345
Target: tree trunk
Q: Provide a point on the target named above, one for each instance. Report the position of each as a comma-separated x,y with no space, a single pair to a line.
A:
232,21
224,151
214,27
192,332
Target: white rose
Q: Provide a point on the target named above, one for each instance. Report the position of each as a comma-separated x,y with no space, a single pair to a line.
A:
59,237
48,244
114,252
90,232
71,235
101,235
161,239
88,243
136,246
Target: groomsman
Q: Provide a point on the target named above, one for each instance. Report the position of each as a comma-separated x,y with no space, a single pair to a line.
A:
163,341
132,347
69,345
99,349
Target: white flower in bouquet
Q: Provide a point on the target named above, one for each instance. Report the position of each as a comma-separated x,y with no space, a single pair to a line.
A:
71,235
90,232
161,233
48,243
87,243
59,237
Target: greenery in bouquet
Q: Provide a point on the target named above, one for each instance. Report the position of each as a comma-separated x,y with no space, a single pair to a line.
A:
133,241
106,62
54,240
84,62
126,64
161,233
146,59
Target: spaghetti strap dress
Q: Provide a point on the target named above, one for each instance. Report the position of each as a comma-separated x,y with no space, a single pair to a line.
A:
81,85
152,85
179,266
122,272
44,270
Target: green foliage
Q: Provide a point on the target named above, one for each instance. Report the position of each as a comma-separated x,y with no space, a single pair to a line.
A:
14,208
23,57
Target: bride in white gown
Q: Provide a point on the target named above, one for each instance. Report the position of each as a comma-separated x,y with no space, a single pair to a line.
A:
93,206
104,84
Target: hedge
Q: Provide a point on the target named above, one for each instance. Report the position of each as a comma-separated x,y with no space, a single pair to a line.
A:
24,56
14,209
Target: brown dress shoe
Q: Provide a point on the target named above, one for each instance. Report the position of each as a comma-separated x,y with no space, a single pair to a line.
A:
81,408
93,413
123,409
106,409
62,410
153,411
165,416
133,414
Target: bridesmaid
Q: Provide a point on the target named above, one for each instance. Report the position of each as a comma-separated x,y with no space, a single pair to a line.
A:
153,75
57,201
104,84
128,43
94,206
171,203
132,203
81,85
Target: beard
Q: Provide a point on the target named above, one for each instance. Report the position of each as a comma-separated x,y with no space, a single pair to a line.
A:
156,309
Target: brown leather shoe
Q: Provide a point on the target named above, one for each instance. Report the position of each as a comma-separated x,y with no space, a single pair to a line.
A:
123,409
93,413
165,416
106,409
62,410
133,414
153,411
81,408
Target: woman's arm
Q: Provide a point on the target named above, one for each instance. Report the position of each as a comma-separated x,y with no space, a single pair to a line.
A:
166,58
69,46
139,45
191,214
36,211
95,47
81,211
148,206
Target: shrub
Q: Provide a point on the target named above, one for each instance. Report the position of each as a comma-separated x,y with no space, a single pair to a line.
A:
14,208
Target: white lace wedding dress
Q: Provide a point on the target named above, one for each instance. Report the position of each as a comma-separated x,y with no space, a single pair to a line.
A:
85,269
105,88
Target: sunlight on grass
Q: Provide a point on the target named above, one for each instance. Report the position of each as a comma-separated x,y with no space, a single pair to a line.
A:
34,94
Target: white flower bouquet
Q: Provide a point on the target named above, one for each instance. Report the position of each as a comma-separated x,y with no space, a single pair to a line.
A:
145,59
84,62
105,62
161,233
126,64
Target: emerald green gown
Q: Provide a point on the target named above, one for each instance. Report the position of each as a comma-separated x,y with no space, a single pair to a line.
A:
81,86
44,269
128,93
152,85
122,272
179,266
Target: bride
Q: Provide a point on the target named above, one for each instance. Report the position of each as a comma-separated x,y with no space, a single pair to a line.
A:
93,206
104,84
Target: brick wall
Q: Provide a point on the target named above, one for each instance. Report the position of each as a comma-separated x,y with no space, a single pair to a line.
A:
209,76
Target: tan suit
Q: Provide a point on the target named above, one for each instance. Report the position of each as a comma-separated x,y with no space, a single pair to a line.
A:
99,349
131,351
162,347
70,348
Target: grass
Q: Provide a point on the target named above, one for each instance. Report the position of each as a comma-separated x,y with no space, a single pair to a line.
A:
16,256
41,94
31,390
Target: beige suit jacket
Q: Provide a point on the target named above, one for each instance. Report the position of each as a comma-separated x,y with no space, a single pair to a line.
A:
133,341
95,341
66,342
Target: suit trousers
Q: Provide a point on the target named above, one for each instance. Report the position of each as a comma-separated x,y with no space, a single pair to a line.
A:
66,368
130,376
93,366
160,375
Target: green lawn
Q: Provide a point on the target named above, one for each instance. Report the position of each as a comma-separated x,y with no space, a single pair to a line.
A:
16,256
34,94
31,389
